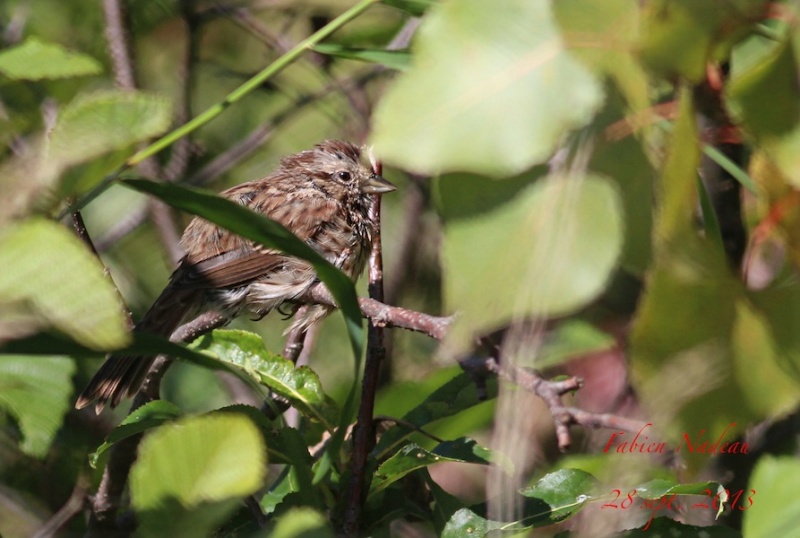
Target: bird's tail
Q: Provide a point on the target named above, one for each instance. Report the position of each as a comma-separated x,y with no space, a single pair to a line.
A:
121,376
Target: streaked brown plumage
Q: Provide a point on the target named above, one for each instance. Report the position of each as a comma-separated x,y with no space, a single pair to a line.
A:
321,195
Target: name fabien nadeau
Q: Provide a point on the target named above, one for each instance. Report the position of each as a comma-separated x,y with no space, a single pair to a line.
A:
621,443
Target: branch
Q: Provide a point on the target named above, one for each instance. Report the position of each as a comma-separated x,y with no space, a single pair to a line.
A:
364,431
551,392
384,315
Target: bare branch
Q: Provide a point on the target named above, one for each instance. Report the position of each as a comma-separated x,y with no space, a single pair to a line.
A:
384,315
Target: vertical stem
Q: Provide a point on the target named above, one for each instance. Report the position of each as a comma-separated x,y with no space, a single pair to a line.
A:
364,431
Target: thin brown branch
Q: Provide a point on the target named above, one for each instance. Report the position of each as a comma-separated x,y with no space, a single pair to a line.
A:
364,431
551,393
74,506
118,39
120,50
384,315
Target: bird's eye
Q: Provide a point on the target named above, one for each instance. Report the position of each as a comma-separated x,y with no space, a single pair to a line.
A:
343,175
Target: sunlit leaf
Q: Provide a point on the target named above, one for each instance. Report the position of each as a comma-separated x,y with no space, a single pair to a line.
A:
604,35
36,392
300,385
552,246
491,91
37,60
191,474
50,274
97,123
767,502
304,522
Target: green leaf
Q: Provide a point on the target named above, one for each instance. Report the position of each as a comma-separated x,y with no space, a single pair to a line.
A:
491,91
146,417
769,501
191,474
465,522
257,227
763,93
301,522
49,275
393,59
561,238
557,496
414,7
412,457
300,385
454,396
97,123
604,35
36,392
701,31
37,60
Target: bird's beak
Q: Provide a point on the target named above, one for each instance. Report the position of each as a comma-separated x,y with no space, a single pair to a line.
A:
377,185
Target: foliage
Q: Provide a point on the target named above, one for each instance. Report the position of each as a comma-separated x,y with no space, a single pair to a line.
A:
561,157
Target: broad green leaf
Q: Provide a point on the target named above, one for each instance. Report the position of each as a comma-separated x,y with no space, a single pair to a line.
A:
772,388
148,416
557,496
412,457
97,123
300,385
394,59
491,91
193,473
304,522
50,275
701,31
414,7
605,35
465,522
454,396
769,501
763,93
547,251
259,228
37,60
36,392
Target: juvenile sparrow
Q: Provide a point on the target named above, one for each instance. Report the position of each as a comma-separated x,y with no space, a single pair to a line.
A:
321,195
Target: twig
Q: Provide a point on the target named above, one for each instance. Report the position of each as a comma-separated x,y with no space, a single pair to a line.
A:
551,392
74,506
364,431
121,52
384,315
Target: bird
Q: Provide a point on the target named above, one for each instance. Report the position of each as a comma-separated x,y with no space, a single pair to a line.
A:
322,195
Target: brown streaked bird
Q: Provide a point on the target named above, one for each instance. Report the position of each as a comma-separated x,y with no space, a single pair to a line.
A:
321,195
